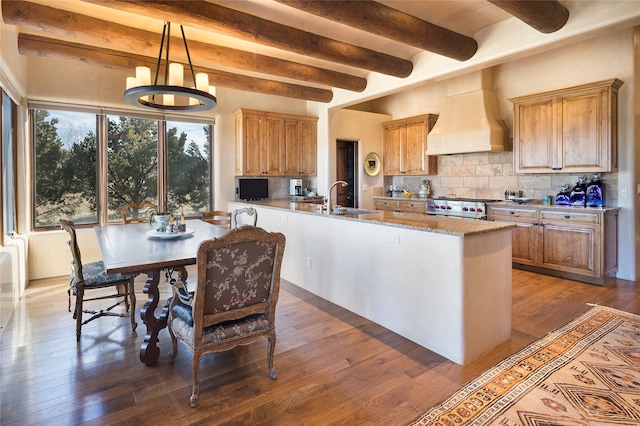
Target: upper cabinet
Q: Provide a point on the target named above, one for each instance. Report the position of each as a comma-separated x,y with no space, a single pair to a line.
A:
405,146
272,144
567,131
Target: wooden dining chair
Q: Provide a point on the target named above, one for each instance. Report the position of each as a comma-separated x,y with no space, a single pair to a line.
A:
92,276
218,217
137,212
248,211
234,300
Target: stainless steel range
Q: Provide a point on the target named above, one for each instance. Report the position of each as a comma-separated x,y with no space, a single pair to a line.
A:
465,208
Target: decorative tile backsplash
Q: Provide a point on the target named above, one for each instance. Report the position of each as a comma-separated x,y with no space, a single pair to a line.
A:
487,175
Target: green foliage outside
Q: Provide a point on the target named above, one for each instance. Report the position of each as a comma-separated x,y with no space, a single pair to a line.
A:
66,169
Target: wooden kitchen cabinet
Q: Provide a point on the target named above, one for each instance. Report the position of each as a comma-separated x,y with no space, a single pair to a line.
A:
301,146
571,130
525,241
409,206
272,144
573,243
405,146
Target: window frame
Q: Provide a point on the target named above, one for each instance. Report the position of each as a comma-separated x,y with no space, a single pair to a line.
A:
13,166
102,160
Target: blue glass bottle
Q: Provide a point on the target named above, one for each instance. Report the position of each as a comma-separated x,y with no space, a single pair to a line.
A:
562,199
595,192
578,195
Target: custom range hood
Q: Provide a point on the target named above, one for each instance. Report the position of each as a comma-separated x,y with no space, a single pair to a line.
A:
469,119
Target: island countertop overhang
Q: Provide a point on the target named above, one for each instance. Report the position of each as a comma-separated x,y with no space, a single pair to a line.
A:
414,221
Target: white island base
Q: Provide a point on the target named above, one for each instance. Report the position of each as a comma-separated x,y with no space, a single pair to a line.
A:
448,293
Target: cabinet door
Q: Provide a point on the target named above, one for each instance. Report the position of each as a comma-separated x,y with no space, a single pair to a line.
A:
571,249
413,151
252,151
583,138
272,151
535,137
308,148
393,137
292,146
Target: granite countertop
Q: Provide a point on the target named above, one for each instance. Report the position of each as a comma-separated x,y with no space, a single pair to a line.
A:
538,205
415,221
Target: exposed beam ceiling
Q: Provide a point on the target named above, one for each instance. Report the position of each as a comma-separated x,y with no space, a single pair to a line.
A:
289,48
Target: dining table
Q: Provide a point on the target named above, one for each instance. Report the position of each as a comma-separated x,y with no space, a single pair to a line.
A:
137,248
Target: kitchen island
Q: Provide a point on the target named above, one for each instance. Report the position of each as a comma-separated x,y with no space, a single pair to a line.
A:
442,283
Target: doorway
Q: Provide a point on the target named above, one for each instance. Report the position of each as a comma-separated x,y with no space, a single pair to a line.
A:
346,166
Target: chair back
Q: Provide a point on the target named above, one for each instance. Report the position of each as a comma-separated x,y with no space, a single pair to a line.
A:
238,276
249,211
137,212
218,217
76,263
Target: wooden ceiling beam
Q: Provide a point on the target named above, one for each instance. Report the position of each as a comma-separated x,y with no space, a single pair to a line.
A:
34,45
94,31
385,21
212,17
546,16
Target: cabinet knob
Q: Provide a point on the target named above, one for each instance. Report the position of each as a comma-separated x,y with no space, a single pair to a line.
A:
512,212
567,216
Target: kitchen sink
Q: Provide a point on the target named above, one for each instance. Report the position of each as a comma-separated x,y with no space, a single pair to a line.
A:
360,211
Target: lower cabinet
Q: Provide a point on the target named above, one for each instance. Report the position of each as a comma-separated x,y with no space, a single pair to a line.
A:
403,205
573,243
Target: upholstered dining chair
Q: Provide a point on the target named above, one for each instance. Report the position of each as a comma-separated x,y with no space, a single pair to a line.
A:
92,277
218,217
234,300
137,212
252,218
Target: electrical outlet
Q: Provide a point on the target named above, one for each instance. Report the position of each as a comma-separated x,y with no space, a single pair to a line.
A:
308,263
623,192
395,239
365,188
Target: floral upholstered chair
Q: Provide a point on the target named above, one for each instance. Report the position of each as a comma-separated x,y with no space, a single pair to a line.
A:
247,215
92,276
235,297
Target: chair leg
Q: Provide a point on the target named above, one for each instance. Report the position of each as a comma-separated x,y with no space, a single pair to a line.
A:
271,349
195,367
77,314
174,344
131,291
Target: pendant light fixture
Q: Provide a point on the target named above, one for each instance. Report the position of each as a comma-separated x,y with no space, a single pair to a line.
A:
173,95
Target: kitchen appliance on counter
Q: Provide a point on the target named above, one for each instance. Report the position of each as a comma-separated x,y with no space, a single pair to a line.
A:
464,208
295,187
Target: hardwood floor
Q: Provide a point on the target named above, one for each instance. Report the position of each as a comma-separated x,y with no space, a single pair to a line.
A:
334,367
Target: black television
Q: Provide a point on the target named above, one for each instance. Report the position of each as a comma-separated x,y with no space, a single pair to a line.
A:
253,189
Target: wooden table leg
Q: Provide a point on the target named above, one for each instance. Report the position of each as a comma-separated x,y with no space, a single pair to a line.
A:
149,352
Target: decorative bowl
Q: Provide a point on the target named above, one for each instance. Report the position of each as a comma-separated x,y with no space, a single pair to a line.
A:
406,194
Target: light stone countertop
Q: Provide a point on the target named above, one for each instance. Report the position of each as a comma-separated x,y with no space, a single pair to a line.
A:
415,221
539,205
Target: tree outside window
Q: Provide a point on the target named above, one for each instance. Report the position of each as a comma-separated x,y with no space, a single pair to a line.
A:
67,165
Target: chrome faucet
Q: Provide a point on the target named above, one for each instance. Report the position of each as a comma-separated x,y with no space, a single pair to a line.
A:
341,182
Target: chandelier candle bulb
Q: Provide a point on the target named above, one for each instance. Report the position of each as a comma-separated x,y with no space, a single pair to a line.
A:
212,90
131,82
143,78
176,73
202,82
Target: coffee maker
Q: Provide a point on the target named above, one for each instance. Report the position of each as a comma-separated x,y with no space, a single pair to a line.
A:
295,187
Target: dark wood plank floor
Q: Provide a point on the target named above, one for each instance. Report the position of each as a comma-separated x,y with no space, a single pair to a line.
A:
334,367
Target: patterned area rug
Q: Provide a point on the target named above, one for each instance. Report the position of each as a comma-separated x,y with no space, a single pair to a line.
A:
585,373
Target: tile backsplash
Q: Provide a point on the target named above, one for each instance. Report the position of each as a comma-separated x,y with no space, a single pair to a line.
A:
487,175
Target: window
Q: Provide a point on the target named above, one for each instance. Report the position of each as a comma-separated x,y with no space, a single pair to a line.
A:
188,167
8,167
82,158
65,167
132,158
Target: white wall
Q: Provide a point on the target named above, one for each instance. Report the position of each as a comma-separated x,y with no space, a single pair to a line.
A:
366,128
